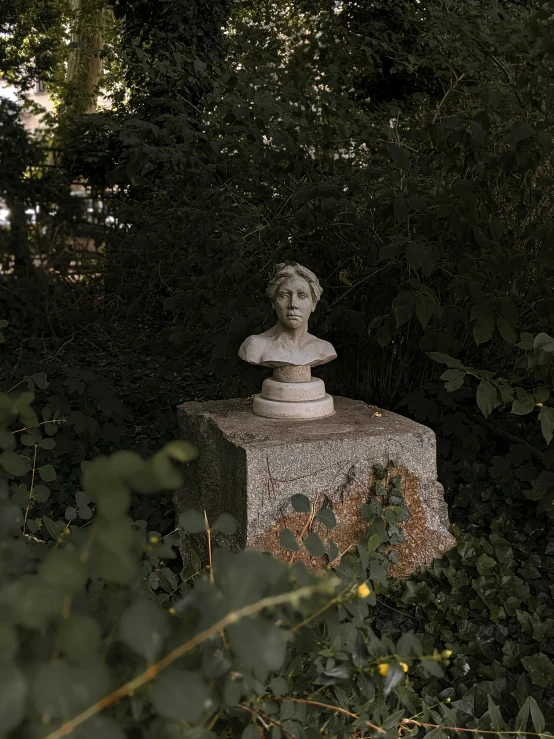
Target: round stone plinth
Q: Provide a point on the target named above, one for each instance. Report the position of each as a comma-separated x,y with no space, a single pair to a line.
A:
293,392
300,411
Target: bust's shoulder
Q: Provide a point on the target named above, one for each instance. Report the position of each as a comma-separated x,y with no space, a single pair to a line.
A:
253,347
326,345
323,348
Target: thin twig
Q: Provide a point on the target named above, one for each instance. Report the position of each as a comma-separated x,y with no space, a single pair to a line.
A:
514,732
446,94
309,618
312,703
31,489
209,533
264,717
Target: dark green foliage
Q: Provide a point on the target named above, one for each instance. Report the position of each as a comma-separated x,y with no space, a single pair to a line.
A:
32,37
404,152
466,642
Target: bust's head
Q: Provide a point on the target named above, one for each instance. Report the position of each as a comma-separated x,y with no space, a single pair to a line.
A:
294,292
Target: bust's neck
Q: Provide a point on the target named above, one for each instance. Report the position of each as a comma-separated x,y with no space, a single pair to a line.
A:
292,336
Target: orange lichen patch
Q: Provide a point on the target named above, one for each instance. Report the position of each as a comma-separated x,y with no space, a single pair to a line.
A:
421,546
350,528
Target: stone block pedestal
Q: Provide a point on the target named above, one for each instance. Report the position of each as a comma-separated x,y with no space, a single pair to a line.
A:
250,466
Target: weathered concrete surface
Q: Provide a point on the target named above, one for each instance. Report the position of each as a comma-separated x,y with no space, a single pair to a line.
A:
250,467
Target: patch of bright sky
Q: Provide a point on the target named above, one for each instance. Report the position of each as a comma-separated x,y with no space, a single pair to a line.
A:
7,91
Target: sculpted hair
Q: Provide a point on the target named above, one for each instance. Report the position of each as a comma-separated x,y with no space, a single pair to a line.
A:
284,271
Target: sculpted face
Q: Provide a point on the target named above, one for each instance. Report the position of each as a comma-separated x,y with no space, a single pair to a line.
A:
293,302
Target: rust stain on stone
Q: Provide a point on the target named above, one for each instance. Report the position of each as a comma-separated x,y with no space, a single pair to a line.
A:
421,546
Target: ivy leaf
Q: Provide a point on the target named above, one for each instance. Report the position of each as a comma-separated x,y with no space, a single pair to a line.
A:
446,359
41,493
54,528
455,379
424,311
279,686
524,405
47,473
13,697
60,689
419,257
543,343
327,518
143,627
433,667
14,463
483,329
301,503
373,542
394,719
536,715
486,397
182,695
82,499
288,541
546,417
407,644
540,669
79,637
192,521
199,65
496,717
506,330
400,156
63,569
225,524
259,645
314,545
390,251
523,716
541,486
360,653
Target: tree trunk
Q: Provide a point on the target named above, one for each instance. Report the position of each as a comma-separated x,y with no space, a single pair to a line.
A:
84,65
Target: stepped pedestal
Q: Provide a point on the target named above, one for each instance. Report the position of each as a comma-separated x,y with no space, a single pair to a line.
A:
292,393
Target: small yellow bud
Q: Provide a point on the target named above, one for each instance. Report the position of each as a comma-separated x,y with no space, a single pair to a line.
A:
363,591
383,668
404,666
539,405
172,611
446,653
154,539
447,700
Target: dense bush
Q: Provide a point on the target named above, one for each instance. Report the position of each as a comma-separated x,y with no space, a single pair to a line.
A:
413,173
102,635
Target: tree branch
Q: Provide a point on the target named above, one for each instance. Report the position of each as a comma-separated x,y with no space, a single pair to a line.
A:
154,670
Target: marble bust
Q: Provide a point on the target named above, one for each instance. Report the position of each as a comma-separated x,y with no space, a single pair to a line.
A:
294,292
292,393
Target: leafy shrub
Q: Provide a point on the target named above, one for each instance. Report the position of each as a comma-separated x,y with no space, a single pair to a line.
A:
253,647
